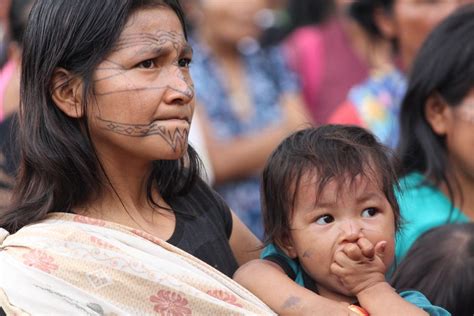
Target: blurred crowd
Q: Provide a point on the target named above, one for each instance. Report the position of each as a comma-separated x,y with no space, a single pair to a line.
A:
264,69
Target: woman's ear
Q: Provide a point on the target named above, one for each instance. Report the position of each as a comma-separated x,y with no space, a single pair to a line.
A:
437,114
66,92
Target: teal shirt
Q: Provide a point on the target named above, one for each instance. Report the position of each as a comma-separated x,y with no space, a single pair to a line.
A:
414,297
422,207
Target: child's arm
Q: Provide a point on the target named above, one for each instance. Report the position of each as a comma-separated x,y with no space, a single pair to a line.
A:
362,271
269,282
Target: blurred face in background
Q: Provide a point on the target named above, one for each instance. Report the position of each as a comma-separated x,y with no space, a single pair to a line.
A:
412,20
230,21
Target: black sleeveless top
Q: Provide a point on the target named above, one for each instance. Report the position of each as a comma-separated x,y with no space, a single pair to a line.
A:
203,227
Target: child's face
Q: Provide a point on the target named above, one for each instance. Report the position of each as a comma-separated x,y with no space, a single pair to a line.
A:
144,95
340,215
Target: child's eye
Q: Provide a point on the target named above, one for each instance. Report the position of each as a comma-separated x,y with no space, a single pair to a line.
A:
146,64
184,62
325,219
369,212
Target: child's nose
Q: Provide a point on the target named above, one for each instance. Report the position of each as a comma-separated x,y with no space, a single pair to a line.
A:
350,230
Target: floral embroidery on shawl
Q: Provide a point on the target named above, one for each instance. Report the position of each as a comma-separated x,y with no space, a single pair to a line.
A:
40,260
170,304
224,296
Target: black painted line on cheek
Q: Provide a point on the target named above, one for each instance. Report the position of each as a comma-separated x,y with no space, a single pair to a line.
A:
175,139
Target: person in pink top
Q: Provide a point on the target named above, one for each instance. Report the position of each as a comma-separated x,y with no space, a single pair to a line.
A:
375,103
331,56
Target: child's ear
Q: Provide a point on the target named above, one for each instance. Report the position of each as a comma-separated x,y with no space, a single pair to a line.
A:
437,114
66,92
286,245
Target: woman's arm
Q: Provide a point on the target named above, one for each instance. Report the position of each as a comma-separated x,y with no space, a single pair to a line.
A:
382,299
246,155
244,244
269,282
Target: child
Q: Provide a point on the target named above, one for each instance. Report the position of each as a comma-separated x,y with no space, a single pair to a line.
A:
441,265
330,217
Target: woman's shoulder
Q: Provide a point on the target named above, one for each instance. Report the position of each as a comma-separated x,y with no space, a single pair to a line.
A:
418,193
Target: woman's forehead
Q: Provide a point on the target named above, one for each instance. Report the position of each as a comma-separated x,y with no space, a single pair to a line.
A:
153,22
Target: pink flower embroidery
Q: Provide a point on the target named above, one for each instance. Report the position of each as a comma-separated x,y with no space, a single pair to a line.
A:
40,260
170,304
101,243
88,220
224,296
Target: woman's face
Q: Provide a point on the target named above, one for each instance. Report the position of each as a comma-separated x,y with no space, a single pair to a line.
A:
230,21
413,20
143,98
459,136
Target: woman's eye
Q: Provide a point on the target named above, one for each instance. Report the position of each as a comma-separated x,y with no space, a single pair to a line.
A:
147,64
184,62
369,212
325,219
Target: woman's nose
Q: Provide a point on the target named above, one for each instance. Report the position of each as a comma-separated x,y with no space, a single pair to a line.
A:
180,87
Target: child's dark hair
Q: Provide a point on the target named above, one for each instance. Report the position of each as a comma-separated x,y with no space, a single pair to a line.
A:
440,264
331,152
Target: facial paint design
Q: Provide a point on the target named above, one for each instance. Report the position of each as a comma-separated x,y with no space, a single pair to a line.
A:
176,138
164,56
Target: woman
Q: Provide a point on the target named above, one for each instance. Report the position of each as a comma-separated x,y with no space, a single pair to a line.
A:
106,107
437,132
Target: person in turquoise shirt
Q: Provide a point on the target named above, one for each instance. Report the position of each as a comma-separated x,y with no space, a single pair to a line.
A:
423,206
330,217
436,148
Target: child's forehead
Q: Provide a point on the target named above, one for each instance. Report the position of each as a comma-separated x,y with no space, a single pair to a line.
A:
331,188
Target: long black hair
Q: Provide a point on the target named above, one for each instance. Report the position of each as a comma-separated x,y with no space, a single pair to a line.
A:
59,168
444,66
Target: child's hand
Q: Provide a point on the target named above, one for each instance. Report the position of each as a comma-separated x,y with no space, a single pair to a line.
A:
359,265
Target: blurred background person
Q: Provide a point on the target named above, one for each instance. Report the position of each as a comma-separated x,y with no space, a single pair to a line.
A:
441,266
10,73
17,17
375,103
436,147
4,6
330,52
247,99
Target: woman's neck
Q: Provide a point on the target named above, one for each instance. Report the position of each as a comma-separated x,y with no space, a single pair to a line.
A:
124,193
462,186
